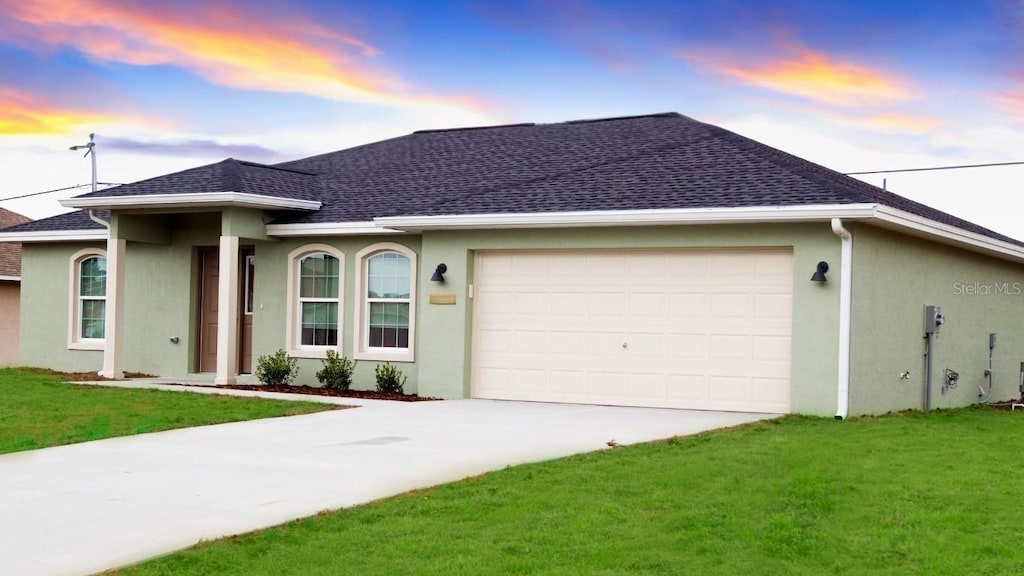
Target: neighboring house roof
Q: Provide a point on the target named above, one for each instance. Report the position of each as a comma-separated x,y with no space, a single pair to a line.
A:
10,254
653,162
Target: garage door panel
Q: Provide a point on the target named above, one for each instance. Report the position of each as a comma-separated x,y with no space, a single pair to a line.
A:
702,329
686,387
773,306
730,388
688,304
730,347
772,348
687,346
727,306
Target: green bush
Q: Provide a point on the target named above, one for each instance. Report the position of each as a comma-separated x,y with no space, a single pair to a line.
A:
337,371
389,379
276,369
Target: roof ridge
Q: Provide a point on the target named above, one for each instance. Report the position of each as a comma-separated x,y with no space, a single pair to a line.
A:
468,128
591,166
633,117
274,167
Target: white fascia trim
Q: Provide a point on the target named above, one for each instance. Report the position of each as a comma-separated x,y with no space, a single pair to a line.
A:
10,278
631,217
54,236
191,201
908,221
329,229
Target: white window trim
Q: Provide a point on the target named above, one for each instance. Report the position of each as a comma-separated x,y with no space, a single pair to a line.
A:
75,342
360,348
293,340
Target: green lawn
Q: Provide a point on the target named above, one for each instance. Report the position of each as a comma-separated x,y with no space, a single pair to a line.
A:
902,494
38,410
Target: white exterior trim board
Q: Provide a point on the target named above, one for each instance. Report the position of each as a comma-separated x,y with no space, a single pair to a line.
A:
631,217
329,229
192,200
10,278
53,236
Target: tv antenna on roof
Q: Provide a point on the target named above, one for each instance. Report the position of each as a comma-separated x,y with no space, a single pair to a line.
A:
90,148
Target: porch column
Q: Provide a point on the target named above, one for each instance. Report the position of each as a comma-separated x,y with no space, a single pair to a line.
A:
227,312
113,349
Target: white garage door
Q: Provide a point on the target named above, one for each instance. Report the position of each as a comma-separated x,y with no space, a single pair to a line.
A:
706,329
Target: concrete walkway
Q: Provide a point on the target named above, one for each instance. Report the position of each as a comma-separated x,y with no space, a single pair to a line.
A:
88,507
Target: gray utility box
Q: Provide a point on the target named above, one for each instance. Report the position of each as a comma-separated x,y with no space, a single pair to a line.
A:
932,319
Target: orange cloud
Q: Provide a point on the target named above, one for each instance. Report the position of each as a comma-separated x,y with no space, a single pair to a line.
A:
238,47
814,76
904,122
22,113
1012,102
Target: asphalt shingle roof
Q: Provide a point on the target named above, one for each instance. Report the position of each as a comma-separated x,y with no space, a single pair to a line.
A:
657,161
10,254
228,175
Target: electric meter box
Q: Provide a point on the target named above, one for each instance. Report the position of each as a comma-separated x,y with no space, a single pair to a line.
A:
933,319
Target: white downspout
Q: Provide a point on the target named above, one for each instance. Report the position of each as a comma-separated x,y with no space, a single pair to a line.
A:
98,220
845,290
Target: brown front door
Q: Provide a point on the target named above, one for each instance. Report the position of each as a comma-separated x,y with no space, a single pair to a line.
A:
247,259
209,276
209,280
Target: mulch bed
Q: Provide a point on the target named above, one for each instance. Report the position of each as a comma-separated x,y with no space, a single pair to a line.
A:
310,390
318,391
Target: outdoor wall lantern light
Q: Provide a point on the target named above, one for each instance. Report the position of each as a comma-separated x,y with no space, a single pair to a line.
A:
819,274
439,273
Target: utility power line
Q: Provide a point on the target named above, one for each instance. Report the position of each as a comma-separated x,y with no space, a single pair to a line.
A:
58,190
935,168
953,167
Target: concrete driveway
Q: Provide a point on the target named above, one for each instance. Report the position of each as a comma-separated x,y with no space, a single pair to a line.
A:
88,507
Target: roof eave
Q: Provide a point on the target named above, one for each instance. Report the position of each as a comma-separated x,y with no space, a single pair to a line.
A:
4,278
329,229
603,218
197,200
871,213
54,236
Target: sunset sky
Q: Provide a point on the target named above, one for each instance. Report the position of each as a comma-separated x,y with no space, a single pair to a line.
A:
854,85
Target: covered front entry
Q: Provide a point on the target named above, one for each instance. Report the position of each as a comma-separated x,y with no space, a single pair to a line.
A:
702,329
208,302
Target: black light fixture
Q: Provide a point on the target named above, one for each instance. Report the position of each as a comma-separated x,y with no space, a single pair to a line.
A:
439,273
819,274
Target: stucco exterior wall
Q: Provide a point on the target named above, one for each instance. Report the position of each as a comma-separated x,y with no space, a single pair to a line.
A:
270,305
445,343
895,277
44,309
10,313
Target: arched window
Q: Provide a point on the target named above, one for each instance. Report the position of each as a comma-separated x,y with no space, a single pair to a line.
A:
88,303
385,314
316,290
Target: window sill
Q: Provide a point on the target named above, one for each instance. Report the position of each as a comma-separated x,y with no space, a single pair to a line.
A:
383,355
317,353
86,345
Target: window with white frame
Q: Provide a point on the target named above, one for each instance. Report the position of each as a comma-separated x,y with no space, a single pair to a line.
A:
386,308
88,303
315,289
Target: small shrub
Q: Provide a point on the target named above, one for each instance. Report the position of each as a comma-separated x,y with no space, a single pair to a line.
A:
277,369
389,379
337,371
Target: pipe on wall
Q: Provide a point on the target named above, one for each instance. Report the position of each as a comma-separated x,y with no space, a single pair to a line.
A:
845,293
98,220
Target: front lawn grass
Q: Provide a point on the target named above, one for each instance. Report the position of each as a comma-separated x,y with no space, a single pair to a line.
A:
37,410
901,494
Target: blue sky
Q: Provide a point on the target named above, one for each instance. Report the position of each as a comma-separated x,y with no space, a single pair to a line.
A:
854,85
